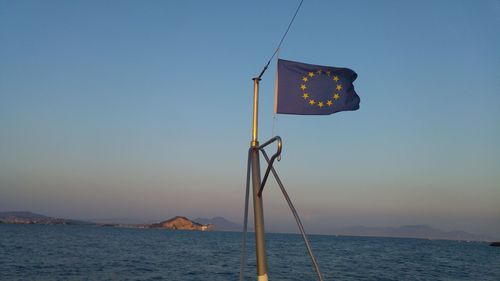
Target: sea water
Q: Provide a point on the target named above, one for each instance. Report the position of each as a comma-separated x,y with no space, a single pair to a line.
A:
58,252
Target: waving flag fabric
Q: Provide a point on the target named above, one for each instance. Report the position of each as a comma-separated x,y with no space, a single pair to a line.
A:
309,89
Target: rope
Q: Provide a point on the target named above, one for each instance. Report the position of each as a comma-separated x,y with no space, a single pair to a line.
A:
274,125
275,101
281,41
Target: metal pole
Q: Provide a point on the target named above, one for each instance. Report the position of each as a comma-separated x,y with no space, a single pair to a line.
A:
255,125
260,246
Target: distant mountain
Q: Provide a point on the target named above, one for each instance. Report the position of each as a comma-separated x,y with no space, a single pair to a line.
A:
412,231
220,223
22,215
25,217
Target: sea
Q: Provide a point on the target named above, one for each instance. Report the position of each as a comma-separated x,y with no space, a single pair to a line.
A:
62,252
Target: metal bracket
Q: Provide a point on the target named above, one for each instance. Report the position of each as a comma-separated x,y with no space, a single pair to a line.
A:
276,155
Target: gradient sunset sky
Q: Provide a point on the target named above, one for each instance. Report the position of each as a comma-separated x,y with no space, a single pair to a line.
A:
141,110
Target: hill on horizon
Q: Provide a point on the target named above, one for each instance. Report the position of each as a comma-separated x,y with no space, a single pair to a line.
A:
22,215
27,217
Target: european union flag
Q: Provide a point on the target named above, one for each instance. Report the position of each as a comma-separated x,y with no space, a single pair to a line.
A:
310,89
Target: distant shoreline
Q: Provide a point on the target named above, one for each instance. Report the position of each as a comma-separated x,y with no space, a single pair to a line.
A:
220,224
268,233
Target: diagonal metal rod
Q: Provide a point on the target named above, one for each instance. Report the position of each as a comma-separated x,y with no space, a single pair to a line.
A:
245,220
297,219
275,156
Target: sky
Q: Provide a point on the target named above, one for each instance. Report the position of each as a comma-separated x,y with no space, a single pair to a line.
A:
142,110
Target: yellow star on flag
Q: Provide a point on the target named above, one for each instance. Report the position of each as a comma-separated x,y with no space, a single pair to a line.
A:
304,79
311,74
303,87
329,102
305,96
320,104
319,71
339,87
336,78
336,96
312,102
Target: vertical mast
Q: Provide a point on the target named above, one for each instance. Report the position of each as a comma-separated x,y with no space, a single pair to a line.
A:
255,125
260,247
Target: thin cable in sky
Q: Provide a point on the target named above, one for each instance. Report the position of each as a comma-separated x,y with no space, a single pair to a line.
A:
282,38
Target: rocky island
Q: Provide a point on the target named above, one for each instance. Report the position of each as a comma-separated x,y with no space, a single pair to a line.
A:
182,223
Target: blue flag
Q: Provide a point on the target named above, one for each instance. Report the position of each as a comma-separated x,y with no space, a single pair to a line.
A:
309,89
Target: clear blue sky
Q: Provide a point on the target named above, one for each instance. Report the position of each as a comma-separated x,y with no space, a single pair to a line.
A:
142,110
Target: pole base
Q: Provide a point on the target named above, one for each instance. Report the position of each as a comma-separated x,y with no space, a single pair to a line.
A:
262,277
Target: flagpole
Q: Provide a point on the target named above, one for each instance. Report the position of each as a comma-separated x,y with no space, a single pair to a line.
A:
260,247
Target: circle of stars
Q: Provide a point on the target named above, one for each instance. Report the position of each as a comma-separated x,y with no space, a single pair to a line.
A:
317,102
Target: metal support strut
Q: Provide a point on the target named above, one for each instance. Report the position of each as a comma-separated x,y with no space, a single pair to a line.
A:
258,196
296,215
